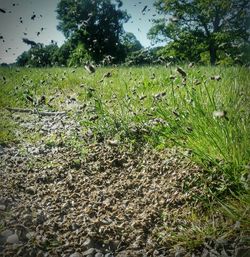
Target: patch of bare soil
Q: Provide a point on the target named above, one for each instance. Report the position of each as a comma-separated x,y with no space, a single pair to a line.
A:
113,201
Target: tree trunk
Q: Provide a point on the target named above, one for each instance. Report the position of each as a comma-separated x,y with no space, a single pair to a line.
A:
212,51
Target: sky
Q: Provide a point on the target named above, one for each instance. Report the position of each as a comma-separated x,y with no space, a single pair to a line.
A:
16,24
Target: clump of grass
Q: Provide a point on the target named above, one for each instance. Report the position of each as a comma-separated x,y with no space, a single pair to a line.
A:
216,142
7,127
190,229
238,209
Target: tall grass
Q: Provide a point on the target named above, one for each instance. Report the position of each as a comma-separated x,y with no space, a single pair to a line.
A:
215,141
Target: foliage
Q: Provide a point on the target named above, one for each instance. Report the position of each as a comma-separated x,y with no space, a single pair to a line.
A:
216,142
143,56
23,59
94,31
199,26
38,56
79,56
62,54
187,49
131,43
71,53
98,25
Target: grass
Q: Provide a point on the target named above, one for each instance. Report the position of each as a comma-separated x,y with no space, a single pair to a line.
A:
159,106
217,142
6,130
197,229
149,103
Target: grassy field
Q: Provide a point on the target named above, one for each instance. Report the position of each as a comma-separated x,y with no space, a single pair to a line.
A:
202,110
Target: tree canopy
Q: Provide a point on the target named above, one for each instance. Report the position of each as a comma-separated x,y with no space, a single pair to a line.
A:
196,26
97,24
38,55
130,42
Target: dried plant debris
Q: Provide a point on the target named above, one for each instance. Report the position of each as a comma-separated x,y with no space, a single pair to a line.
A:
112,201
115,198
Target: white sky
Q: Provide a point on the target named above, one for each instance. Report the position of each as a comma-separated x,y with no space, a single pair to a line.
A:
12,30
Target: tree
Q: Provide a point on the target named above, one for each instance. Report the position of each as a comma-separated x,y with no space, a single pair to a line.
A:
144,56
63,53
97,24
23,59
215,24
131,43
38,55
79,56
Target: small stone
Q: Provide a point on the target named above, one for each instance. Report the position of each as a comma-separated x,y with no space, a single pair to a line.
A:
89,133
6,233
99,255
2,207
93,118
109,255
13,239
90,251
76,254
219,114
191,64
156,252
